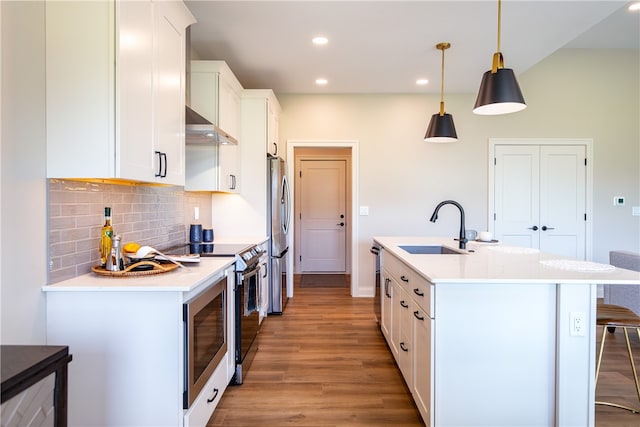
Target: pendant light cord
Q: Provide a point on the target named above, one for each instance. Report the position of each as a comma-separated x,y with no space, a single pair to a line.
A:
498,60
442,86
499,19
442,46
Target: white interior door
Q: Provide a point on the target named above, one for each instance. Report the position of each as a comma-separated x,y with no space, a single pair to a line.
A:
540,197
563,200
517,189
323,215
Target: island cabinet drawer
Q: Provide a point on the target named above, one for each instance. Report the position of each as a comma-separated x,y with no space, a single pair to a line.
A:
420,290
203,406
422,294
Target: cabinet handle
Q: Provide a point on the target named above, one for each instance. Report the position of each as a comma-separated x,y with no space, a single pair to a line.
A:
275,148
159,173
215,394
534,228
404,304
545,228
164,175
403,347
232,185
417,292
265,270
386,287
404,279
416,314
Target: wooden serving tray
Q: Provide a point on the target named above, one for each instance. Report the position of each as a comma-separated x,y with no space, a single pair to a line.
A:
127,272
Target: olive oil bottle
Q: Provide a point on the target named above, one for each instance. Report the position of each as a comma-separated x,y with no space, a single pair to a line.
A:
105,237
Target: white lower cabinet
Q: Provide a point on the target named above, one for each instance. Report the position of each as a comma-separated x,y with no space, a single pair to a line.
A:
422,367
128,351
407,324
405,336
386,305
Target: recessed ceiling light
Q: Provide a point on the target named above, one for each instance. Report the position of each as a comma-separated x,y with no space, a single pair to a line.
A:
422,82
320,40
634,6
321,81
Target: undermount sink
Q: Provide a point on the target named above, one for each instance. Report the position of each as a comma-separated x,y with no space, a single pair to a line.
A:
428,250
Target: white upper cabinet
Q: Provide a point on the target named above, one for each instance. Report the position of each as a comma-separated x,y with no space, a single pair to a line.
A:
214,94
115,88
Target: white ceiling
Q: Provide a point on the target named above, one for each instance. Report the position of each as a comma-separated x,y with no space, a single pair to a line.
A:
384,46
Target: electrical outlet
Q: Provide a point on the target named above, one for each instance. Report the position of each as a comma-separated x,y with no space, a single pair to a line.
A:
577,324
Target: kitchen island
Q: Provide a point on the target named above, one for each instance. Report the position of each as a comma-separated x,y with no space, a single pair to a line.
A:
493,335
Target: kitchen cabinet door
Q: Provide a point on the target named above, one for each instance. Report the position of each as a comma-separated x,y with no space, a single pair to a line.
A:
108,112
422,363
405,336
215,94
169,89
273,123
396,317
386,305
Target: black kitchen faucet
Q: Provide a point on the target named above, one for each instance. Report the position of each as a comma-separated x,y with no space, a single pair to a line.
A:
462,238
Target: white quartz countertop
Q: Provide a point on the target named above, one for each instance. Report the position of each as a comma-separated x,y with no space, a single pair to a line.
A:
496,263
181,279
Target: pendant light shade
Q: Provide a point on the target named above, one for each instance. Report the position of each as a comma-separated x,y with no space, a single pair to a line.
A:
441,127
499,90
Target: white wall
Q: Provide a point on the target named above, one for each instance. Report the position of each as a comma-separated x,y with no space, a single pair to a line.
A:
574,93
24,187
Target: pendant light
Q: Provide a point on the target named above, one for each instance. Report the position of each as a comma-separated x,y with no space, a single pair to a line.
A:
499,90
441,128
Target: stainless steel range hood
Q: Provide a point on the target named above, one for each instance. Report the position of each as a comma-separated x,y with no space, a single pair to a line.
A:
201,131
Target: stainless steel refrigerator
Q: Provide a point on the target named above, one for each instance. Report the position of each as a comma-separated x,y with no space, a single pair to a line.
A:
278,221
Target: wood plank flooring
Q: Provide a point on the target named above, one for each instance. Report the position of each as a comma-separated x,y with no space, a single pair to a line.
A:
324,363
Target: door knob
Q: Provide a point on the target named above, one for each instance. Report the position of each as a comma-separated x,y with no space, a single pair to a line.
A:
534,228
545,228
341,224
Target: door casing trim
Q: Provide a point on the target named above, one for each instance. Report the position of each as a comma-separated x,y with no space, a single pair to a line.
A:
354,173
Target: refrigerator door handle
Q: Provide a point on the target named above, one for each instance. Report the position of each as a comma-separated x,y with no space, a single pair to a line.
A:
284,204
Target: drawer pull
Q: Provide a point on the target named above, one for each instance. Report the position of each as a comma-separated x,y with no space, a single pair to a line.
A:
404,279
403,347
404,304
417,315
417,292
215,394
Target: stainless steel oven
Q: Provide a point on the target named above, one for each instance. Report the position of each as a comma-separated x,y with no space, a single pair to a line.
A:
205,326
247,306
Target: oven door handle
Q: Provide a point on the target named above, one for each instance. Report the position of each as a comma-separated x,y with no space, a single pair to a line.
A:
281,255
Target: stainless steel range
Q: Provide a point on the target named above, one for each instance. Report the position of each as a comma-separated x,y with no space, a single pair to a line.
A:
246,296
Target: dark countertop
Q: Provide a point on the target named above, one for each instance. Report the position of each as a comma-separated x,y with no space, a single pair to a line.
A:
25,365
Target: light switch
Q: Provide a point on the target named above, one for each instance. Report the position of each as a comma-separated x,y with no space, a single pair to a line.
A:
364,210
635,210
618,201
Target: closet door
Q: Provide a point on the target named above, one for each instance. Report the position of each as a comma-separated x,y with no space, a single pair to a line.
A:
562,200
517,195
540,197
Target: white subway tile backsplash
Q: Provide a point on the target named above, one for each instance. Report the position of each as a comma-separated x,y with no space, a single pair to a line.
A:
150,215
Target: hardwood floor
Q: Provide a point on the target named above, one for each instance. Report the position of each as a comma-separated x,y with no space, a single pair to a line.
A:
325,363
